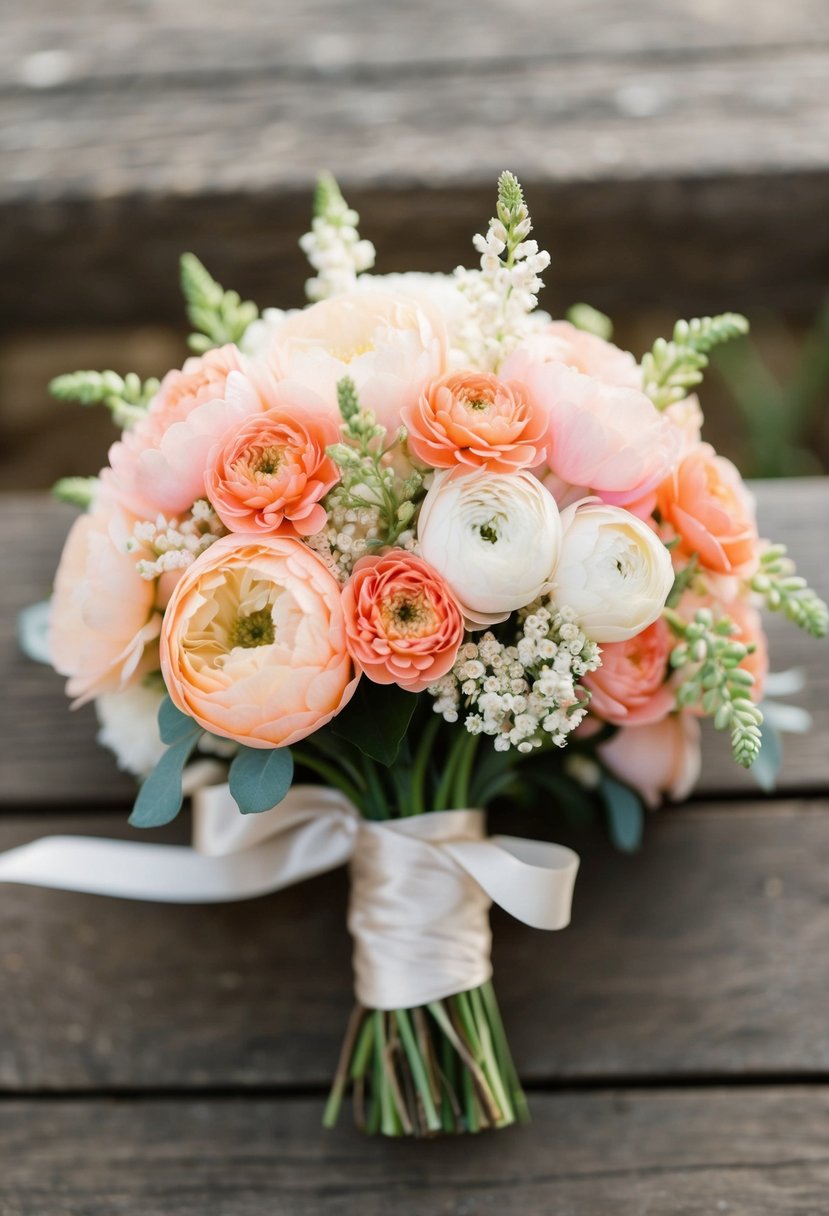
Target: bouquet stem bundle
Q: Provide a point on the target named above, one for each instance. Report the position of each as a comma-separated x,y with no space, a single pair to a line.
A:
442,1067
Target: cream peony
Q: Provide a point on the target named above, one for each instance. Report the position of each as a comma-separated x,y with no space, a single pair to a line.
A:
389,345
614,572
253,644
495,538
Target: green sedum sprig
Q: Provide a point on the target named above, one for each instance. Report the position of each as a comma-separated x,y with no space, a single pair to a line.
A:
715,682
126,397
786,592
218,316
77,491
674,367
366,481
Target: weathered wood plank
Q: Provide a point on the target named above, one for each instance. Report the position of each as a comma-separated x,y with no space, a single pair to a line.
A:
680,179
702,956
160,41
621,1153
49,755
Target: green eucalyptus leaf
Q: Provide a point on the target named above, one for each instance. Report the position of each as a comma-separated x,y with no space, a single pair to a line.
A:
260,778
625,814
173,725
767,763
376,720
160,797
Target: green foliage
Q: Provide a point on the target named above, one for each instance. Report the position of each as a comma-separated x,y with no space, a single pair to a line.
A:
672,368
784,591
376,720
77,491
767,765
625,814
126,397
682,580
512,212
585,317
367,481
260,778
160,796
218,316
715,681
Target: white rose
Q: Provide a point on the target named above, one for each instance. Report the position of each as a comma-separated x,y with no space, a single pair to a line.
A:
614,572
494,537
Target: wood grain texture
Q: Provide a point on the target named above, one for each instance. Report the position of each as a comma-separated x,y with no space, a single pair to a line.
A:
622,1153
702,956
671,154
69,769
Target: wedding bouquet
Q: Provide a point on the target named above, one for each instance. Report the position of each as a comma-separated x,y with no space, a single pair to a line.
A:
423,545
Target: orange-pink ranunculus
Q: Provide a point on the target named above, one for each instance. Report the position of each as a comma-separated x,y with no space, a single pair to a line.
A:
253,644
270,473
158,465
103,617
475,419
629,688
660,759
404,625
706,502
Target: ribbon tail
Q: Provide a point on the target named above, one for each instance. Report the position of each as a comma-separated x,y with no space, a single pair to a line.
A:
533,880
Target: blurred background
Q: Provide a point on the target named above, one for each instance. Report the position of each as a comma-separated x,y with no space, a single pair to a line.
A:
674,153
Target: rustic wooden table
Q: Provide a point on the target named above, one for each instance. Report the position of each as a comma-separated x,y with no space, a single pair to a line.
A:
169,1061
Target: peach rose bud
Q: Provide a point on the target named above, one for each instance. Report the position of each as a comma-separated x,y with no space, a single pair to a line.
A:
477,420
705,500
270,473
253,644
404,626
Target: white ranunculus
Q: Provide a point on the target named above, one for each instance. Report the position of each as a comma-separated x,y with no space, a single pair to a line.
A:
129,727
495,538
614,572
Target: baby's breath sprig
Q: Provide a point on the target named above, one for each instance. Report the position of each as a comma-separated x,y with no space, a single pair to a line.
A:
369,483
165,544
716,683
126,397
786,592
674,367
504,292
77,491
333,246
218,316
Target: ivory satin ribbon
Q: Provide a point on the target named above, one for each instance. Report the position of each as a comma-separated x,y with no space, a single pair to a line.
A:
421,887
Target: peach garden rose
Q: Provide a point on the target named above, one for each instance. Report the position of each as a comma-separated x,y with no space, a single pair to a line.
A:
404,625
271,472
629,687
253,644
475,419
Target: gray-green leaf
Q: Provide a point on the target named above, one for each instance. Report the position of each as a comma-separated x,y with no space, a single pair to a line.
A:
259,778
160,797
625,814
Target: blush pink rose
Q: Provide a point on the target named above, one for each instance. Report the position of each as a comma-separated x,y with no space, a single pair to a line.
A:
404,625
610,440
660,759
253,644
270,473
103,620
629,688
561,342
475,419
158,466
707,504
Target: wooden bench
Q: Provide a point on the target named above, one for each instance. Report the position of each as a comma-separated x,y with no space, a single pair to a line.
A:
169,1061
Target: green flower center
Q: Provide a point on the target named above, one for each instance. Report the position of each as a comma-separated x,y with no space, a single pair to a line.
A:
253,630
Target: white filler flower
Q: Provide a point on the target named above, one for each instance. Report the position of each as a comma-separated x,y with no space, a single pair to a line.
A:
614,572
495,538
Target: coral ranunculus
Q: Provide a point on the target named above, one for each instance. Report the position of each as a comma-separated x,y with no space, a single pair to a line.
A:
158,466
477,420
404,625
253,644
629,688
272,471
705,500
103,612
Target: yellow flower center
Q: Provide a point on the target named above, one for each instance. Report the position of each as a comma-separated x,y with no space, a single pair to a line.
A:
408,615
